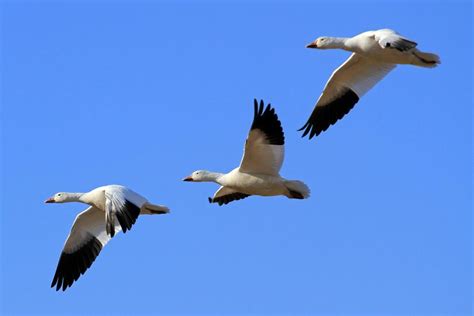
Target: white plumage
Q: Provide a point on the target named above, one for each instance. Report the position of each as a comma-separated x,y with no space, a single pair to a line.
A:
112,208
258,173
374,55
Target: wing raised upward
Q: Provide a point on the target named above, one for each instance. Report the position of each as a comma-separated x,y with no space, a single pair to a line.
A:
264,148
82,246
345,87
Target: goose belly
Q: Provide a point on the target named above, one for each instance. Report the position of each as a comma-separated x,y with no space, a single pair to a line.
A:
258,184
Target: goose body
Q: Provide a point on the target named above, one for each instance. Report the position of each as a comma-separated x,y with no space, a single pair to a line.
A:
258,173
112,208
374,55
253,184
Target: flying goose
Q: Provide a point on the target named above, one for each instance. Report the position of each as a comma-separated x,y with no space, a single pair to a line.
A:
258,173
374,55
112,208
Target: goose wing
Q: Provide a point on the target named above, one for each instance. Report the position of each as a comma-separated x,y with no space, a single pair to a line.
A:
82,246
391,39
264,148
347,84
226,195
121,204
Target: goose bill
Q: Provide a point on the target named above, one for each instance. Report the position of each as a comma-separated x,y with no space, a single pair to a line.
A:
50,200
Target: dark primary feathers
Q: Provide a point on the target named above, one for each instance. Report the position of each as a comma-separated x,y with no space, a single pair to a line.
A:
228,198
126,216
401,44
72,265
267,122
325,115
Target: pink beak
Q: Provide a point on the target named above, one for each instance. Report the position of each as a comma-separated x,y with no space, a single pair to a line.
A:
188,179
50,200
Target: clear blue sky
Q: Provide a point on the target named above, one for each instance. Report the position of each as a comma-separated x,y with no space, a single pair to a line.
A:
143,93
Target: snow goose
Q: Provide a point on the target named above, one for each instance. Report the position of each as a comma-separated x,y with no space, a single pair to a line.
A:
375,54
112,208
258,173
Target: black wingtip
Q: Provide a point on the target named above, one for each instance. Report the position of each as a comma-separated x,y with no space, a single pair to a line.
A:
306,128
257,108
72,265
266,119
55,280
311,129
324,116
302,128
209,199
225,199
127,216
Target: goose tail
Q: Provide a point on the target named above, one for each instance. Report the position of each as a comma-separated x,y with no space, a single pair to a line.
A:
149,208
297,189
428,60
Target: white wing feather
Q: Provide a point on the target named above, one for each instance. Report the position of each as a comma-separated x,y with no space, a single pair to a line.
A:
358,73
260,157
89,222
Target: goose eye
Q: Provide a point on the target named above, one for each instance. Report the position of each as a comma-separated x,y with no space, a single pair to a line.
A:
59,194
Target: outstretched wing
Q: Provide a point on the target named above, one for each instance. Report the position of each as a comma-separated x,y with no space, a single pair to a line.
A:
82,246
264,147
226,195
345,87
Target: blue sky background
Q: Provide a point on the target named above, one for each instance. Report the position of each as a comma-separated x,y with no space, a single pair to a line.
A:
143,93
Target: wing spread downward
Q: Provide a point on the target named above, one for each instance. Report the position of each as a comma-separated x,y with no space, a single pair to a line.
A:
264,147
82,246
345,87
226,195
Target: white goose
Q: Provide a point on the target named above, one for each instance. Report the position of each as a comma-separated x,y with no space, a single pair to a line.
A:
258,173
375,54
112,208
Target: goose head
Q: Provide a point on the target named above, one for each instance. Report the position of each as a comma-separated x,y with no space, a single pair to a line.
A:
200,176
60,197
323,43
